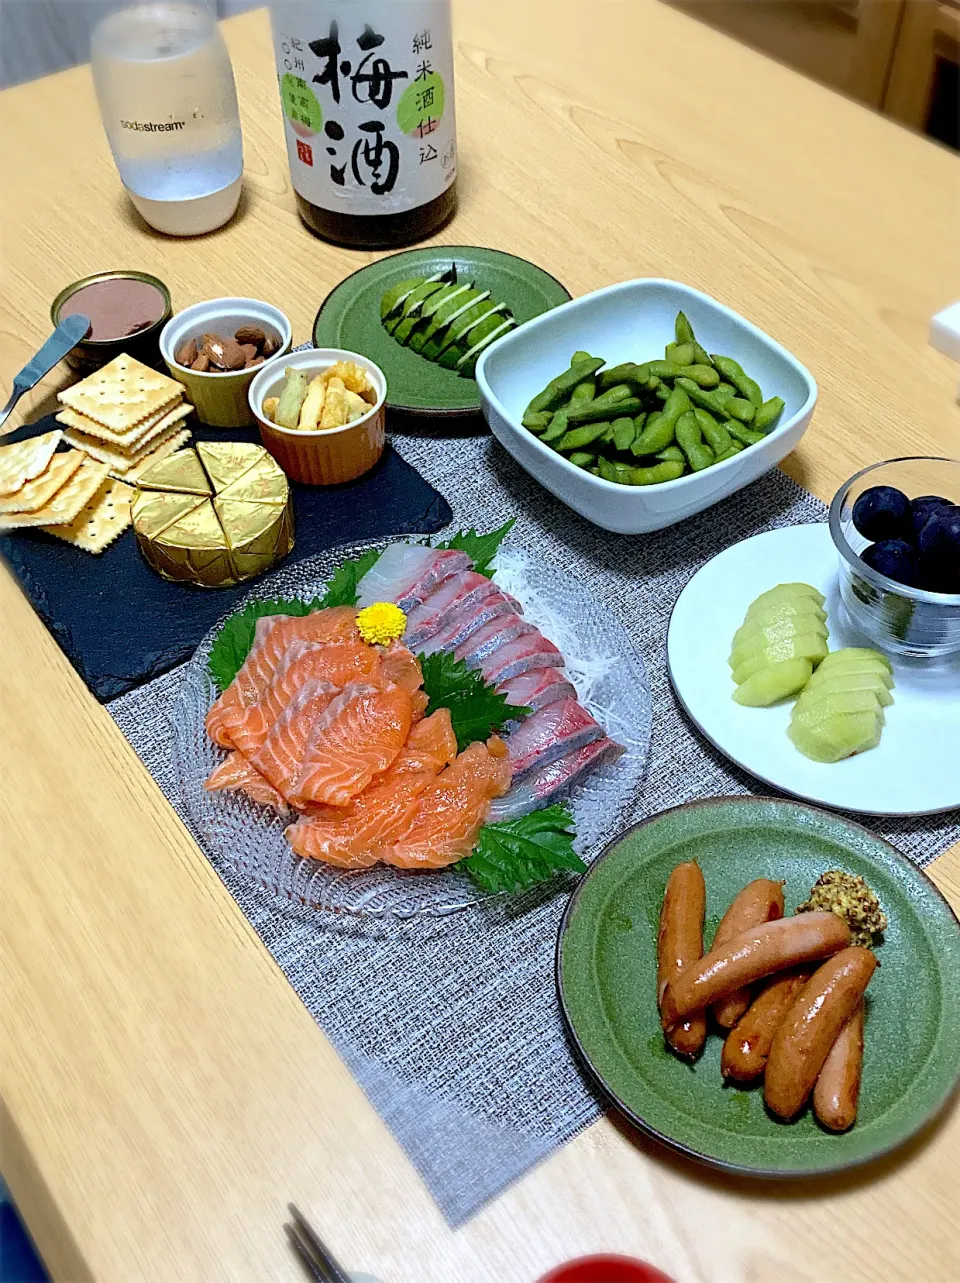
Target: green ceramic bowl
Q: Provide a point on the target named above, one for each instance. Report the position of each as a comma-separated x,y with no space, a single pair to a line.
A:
350,318
606,975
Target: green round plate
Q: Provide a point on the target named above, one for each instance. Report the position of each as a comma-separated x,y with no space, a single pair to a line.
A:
607,966
350,318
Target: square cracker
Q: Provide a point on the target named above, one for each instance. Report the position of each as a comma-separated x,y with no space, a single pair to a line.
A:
34,494
66,503
121,393
100,521
25,460
138,435
156,453
113,455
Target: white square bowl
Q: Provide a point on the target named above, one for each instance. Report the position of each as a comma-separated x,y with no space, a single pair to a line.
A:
634,321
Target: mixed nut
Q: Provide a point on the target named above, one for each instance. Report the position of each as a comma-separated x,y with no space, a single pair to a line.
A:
214,354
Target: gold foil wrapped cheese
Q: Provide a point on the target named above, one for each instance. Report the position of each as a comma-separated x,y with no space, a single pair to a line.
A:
215,515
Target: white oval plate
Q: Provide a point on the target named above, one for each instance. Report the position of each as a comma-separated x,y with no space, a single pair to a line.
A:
915,769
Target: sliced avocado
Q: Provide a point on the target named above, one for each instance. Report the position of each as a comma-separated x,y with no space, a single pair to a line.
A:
398,294
491,320
468,362
448,298
442,323
457,335
411,310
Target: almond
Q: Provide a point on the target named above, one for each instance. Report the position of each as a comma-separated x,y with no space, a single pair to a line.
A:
201,363
250,334
233,356
187,353
270,347
249,351
252,361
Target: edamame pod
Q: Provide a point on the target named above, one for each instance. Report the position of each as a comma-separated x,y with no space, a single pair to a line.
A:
618,472
583,458
738,407
703,375
733,372
670,470
594,411
579,357
744,434
690,441
607,438
537,422
584,391
624,432
561,387
734,448
699,396
679,353
628,372
725,391
715,434
639,420
768,413
683,330
665,369
672,452
558,425
639,446
577,438
700,355
619,392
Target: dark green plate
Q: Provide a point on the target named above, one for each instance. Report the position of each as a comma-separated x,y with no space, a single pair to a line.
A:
607,965
350,318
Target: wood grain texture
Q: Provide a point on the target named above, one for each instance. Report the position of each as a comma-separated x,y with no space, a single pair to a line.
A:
164,1092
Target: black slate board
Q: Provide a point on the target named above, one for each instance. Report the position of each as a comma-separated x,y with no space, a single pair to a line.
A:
120,624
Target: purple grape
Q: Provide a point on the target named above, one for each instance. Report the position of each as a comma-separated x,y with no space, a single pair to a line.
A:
922,509
939,544
882,513
896,559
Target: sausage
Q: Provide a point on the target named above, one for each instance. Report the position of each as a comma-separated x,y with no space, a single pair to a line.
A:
837,1088
679,943
759,952
747,1046
759,901
810,1028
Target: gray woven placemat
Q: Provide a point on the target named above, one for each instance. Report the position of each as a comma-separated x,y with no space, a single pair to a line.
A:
453,1029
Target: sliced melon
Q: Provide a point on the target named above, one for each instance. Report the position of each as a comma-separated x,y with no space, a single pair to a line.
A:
774,682
771,612
871,681
836,735
807,646
790,591
859,655
792,626
814,706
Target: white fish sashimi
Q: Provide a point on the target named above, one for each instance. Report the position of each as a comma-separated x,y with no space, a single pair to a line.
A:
399,566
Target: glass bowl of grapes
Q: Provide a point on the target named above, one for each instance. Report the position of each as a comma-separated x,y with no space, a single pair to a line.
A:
896,526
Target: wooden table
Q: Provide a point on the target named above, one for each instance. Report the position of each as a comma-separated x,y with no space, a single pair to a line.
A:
164,1093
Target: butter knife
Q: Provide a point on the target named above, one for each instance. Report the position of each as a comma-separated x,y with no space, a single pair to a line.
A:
63,339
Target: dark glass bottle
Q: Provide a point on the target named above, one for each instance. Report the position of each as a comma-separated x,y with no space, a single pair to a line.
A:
368,99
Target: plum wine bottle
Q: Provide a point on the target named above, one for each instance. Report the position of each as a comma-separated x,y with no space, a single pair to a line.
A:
366,88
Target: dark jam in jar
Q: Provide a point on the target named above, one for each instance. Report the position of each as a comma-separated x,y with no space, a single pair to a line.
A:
369,117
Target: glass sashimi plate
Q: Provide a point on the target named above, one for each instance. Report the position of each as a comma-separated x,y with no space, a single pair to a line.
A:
601,661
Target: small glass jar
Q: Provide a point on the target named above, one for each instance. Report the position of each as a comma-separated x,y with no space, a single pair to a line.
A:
896,617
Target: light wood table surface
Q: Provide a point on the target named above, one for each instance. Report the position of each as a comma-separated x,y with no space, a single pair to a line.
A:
163,1091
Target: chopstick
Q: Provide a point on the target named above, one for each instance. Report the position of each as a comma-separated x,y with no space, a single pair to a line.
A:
312,1251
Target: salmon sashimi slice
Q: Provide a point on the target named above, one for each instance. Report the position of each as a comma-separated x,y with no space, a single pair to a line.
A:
400,666
280,758
272,636
357,737
337,663
419,703
236,775
451,811
354,837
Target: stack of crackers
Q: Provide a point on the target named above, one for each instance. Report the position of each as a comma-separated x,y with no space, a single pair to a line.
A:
126,416
65,493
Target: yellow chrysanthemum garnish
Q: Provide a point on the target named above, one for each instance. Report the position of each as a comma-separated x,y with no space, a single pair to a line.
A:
381,623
